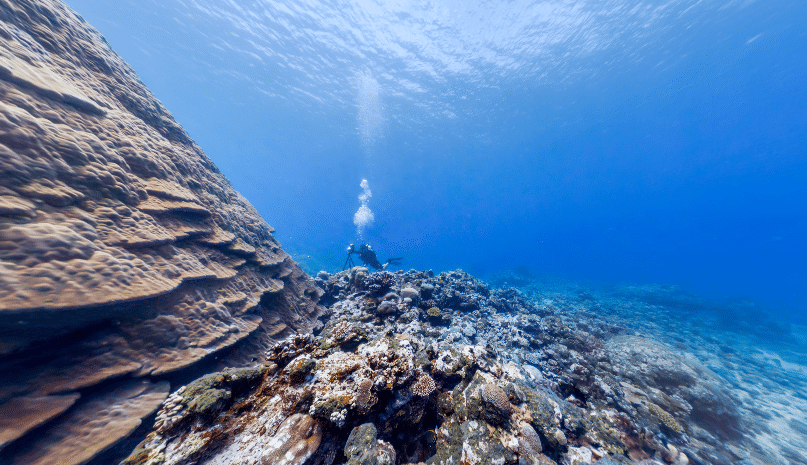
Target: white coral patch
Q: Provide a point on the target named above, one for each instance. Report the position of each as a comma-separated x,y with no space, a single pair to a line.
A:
578,456
513,371
373,349
468,455
338,417
533,372
444,362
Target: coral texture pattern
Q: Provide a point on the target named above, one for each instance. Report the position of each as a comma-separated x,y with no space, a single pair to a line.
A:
124,253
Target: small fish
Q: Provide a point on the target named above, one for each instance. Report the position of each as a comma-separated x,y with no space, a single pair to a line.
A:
430,436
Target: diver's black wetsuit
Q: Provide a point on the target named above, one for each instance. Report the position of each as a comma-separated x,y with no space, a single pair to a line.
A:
368,256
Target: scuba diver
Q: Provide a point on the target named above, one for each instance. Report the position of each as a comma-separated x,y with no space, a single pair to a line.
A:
368,256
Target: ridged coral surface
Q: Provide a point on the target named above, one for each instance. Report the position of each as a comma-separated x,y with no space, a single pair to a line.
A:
124,252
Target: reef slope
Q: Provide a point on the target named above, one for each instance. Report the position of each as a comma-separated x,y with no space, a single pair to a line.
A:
416,368
125,255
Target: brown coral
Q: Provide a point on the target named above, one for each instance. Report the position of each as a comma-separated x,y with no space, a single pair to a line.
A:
434,312
119,231
495,396
495,404
529,443
364,394
666,418
424,385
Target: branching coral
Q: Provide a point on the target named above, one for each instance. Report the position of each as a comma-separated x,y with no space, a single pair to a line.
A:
341,330
424,385
378,283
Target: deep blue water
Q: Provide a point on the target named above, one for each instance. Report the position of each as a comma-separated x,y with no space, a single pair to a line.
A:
617,141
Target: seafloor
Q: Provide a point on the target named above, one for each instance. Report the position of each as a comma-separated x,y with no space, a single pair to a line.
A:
413,367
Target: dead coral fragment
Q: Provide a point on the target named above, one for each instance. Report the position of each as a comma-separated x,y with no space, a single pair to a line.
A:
666,418
387,307
424,385
204,395
208,395
341,330
299,369
332,409
364,448
347,336
209,401
295,441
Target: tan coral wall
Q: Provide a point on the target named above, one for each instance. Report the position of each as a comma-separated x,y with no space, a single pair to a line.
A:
124,252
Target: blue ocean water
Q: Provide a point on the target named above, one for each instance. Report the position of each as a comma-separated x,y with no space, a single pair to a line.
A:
613,141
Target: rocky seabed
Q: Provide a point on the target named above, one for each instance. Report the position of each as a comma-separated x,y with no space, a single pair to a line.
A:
415,368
